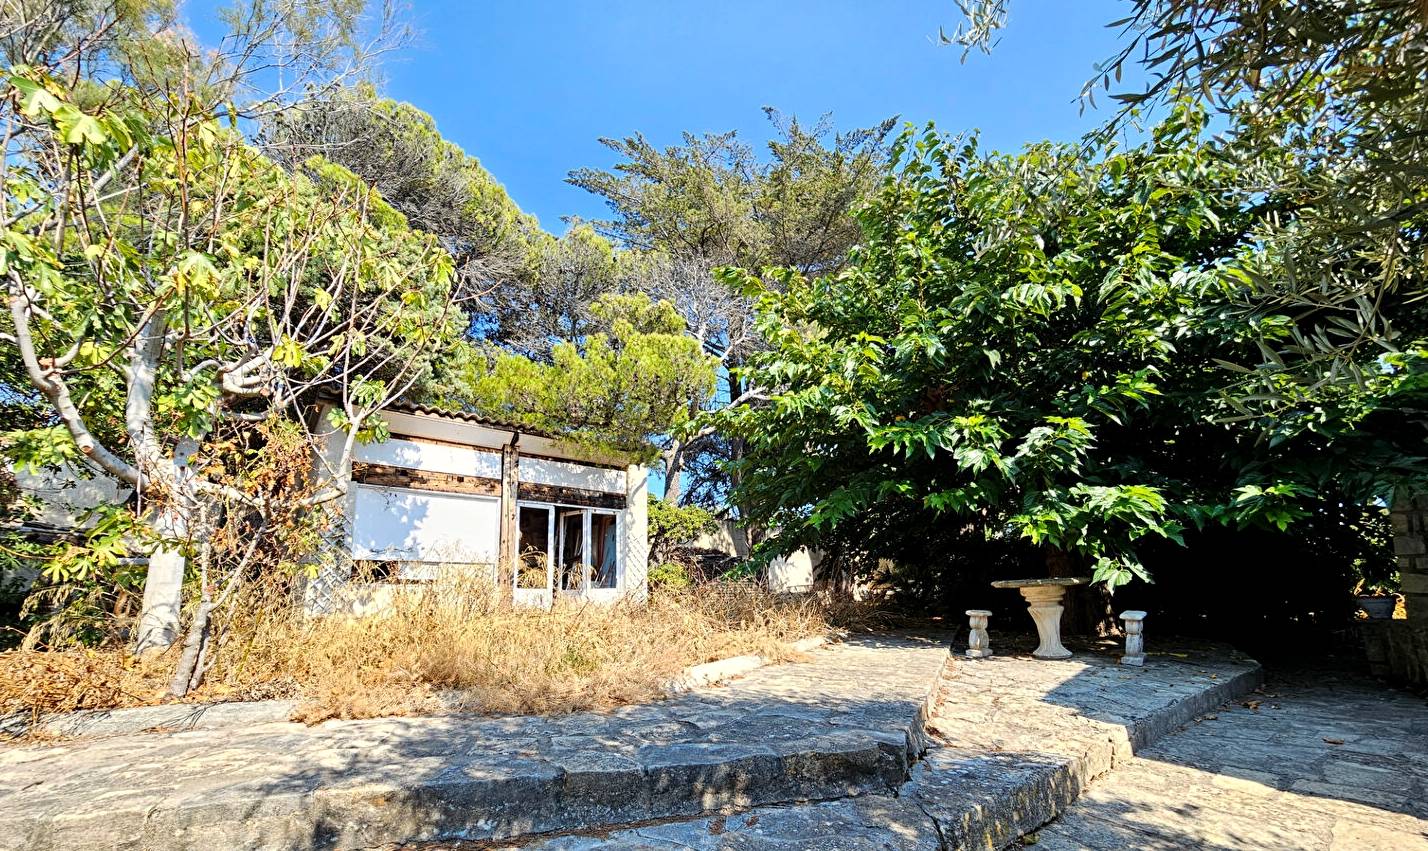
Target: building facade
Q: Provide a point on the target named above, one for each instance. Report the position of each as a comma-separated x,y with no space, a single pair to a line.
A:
543,518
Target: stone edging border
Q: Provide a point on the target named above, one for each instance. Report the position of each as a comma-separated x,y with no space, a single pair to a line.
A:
178,717
990,825
719,670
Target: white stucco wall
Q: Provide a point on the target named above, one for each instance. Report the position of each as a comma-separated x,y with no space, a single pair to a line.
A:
435,457
725,537
418,527
635,523
793,573
569,474
63,496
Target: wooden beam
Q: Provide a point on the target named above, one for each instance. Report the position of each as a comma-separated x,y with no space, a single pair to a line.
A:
385,475
414,438
510,492
570,496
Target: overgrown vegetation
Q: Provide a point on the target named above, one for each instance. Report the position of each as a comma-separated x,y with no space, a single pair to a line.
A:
684,210
455,644
1129,361
1080,358
671,526
630,376
1039,346
1325,108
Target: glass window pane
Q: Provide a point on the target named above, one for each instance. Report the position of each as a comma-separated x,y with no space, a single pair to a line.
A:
534,547
605,549
572,556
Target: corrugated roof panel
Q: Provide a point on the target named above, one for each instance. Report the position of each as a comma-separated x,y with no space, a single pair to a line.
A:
468,417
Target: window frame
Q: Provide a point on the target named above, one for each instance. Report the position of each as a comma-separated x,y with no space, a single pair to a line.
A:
554,554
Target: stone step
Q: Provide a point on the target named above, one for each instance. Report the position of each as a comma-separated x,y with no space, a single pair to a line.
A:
847,722
1018,741
871,822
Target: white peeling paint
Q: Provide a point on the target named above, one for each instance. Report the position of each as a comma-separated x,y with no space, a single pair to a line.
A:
432,457
568,474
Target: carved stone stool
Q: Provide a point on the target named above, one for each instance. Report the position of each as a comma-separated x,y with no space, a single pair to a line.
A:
1135,638
978,645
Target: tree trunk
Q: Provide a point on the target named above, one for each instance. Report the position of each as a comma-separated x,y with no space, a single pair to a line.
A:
1088,608
743,541
674,473
186,675
163,584
163,597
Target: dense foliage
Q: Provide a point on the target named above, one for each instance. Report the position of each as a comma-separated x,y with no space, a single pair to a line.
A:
672,528
1326,108
1036,346
632,375
1081,354
396,149
178,302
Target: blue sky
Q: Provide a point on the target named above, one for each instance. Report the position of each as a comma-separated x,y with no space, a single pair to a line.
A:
529,86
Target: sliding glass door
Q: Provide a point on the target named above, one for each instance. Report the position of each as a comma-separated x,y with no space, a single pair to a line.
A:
575,552
604,551
573,547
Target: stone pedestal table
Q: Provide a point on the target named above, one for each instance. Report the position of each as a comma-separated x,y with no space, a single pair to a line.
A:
1043,601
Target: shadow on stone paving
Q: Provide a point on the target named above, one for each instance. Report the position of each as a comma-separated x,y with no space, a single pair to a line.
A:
1119,825
977,789
985,794
816,730
1247,774
1017,740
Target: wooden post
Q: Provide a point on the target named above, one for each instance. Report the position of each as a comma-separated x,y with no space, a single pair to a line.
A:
510,531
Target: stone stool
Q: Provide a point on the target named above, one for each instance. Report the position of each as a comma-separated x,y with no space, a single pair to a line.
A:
978,645
1135,638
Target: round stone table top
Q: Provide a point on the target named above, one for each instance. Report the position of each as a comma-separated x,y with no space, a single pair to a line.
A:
1035,583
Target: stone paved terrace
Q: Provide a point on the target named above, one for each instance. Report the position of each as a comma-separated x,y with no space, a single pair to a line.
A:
848,721
1016,740
809,755
1318,760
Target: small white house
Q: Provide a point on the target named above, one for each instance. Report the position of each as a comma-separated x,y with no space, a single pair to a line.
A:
547,518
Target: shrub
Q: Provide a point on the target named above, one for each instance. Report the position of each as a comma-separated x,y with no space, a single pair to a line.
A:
670,575
673,525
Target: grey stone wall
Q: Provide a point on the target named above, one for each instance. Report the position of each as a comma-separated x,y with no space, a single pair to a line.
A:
1398,649
1410,543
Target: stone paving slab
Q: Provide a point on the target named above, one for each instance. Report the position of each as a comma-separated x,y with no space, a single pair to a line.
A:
86,723
1328,761
1023,738
1016,740
857,824
849,721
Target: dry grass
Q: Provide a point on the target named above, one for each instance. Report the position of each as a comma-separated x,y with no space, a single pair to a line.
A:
39,680
435,644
